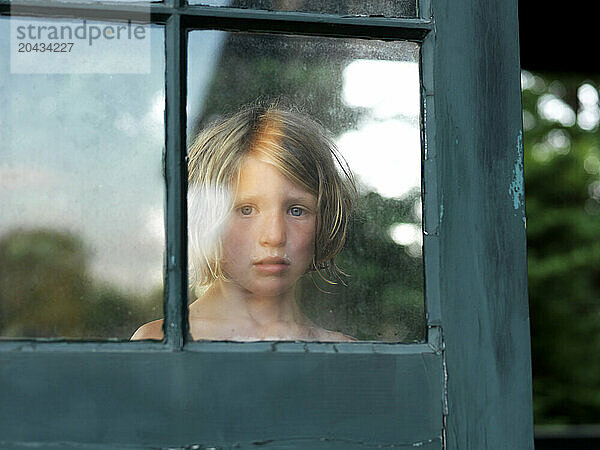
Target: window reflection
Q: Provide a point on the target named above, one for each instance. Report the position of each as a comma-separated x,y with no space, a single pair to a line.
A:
81,195
366,93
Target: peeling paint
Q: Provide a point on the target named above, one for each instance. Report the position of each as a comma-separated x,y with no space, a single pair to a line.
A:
446,408
298,442
516,189
313,442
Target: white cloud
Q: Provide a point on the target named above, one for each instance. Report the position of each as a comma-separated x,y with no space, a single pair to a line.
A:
389,88
385,155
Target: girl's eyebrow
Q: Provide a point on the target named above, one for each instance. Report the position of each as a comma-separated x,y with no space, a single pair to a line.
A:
294,198
305,198
247,198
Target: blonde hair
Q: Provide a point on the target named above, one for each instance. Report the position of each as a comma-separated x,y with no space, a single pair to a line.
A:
300,148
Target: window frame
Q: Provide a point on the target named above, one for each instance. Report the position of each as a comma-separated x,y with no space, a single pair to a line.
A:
422,368
178,18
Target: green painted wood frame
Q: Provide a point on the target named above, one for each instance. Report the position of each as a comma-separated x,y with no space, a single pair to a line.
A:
467,387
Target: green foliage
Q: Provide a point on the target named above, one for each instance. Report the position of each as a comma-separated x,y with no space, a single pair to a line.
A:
47,291
384,296
562,180
253,68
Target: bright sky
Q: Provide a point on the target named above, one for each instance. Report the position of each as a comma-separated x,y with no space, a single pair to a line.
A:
82,153
385,150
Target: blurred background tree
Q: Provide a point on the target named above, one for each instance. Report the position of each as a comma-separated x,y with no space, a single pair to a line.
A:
383,299
47,291
562,188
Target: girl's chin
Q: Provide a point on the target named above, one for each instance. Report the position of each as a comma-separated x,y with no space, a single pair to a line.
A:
269,288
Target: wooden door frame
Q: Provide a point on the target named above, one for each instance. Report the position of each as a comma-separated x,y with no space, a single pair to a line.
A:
467,387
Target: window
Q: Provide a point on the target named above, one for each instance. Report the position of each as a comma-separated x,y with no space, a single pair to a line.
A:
367,92
82,193
474,356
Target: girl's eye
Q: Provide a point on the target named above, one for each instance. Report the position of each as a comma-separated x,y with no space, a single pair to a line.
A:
246,210
296,211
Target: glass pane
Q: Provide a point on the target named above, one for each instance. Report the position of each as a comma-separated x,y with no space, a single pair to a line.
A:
138,2
387,8
81,193
366,95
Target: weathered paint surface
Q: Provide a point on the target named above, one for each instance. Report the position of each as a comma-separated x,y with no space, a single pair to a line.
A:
483,276
255,396
516,188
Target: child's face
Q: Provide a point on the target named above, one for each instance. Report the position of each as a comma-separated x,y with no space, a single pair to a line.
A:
269,239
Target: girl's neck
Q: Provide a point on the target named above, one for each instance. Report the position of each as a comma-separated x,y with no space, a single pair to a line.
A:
228,301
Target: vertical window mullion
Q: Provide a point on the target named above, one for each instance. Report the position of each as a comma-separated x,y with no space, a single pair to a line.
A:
175,324
424,9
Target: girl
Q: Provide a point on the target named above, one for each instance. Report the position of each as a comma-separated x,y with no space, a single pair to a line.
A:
269,200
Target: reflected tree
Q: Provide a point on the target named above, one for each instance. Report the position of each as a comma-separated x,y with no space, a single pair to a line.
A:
253,68
47,291
383,299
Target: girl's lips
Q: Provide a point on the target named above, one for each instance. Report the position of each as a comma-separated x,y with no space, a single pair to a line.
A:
268,260
272,264
271,268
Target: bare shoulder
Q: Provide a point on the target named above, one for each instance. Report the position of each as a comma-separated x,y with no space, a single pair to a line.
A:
150,330
335,336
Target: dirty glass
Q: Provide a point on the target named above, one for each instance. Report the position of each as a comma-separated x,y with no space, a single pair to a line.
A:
366,94
58,2
387,8
81,189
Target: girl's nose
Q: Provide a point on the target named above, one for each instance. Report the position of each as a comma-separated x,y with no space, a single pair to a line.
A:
273,231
